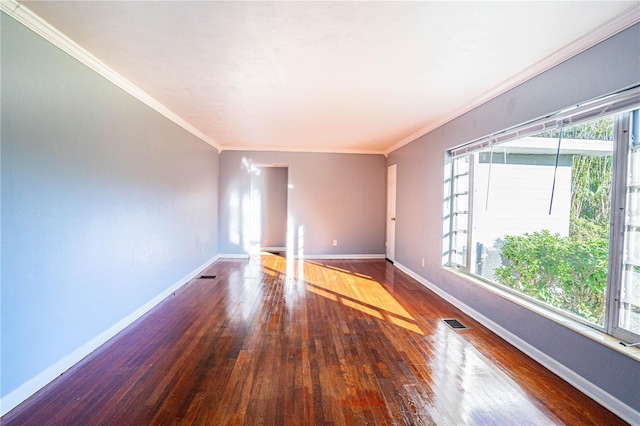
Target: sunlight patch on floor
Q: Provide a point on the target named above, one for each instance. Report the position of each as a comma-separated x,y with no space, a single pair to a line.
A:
355,291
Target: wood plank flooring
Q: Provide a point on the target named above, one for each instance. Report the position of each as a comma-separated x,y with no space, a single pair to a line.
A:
307,343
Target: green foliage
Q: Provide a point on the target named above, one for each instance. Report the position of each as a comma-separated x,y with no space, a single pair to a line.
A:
565,272
591,188
586,230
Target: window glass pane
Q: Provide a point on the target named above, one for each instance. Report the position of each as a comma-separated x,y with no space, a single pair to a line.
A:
629,318
541,216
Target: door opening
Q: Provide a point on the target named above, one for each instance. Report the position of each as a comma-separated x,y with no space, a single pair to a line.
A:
391,213
269,187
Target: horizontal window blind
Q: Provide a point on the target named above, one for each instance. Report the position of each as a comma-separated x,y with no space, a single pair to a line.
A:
610,104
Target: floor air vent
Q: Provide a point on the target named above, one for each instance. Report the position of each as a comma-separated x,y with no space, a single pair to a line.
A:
455,324
208,277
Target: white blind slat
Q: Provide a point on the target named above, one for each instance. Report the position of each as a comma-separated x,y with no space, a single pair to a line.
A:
610,104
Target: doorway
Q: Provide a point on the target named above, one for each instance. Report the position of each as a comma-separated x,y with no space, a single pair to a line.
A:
391,213
269,187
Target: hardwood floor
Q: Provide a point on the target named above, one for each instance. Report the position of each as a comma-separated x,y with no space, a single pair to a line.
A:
316,342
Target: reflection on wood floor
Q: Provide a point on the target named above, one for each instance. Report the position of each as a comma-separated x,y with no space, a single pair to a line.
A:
276,342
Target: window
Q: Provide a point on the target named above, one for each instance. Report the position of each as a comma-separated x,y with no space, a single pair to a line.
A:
627,306
550,211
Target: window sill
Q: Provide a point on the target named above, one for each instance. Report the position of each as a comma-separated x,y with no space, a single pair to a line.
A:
591,333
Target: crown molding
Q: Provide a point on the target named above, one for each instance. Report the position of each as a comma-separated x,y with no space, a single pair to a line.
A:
608,29
318,150
41,27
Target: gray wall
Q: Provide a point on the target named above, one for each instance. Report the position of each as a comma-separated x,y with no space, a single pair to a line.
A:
332,196
105,204
612,65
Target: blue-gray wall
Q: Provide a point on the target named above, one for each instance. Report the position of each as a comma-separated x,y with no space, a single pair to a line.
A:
609,66
332,196
105,204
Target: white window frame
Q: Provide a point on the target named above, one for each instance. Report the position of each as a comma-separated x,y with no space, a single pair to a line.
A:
618,228
621,104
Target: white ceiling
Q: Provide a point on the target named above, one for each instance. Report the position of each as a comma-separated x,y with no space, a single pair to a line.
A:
328,76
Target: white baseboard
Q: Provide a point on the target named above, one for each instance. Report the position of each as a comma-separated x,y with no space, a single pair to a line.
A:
30,387
314,256
605,399
233,256
273,248
341,256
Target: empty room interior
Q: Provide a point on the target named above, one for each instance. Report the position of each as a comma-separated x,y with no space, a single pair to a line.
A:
320,212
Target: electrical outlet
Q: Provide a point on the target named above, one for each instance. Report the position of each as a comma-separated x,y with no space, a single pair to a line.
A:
335,243
423,262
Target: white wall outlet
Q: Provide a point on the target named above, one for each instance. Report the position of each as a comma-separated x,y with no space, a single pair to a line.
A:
423,262
335,243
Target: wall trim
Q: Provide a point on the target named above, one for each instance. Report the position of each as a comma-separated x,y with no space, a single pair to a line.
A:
317,150
604,398
620,23
273,248
233,256
340,256
33,385
312,256
29,19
